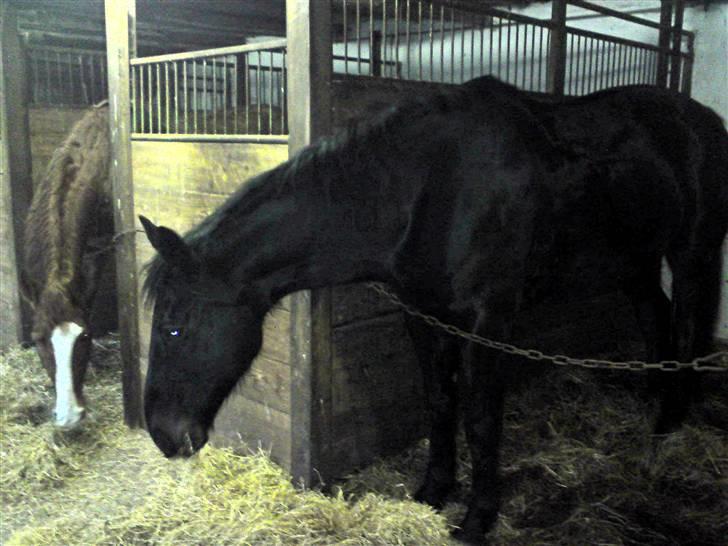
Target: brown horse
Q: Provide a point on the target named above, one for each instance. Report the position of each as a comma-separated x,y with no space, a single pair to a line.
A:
67,232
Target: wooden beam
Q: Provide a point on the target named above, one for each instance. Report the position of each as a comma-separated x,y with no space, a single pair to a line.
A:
120,23
16,183
663,42
676,63
308,26
556,74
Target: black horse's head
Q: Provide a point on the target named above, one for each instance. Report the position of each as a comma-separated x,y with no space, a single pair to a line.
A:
205,334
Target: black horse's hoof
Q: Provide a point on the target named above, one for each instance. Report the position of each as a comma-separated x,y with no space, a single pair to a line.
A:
470,538
475,526
434,493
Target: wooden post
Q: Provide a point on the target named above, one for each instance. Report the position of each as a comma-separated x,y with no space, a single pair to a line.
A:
120,24
663,42
556,75
687,80
16,183
376,54
676,61
308,28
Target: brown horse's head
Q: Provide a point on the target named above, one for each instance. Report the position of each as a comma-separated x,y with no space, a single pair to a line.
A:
63,342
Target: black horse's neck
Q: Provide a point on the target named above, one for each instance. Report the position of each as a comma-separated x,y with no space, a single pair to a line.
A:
306,224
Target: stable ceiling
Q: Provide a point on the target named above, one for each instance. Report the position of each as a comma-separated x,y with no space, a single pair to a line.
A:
164,26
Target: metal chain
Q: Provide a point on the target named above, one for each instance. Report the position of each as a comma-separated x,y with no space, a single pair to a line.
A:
716,362
113,241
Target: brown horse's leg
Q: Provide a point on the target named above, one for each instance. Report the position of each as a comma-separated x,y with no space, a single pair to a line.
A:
439,359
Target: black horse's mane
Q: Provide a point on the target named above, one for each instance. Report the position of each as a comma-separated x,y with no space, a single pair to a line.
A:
341,153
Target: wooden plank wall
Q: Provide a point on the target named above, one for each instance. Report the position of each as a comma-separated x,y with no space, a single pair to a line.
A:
178,184
15,178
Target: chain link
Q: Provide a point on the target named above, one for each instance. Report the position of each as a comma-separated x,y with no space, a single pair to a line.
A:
716,362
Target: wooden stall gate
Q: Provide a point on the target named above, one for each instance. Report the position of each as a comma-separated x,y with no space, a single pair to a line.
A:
203,122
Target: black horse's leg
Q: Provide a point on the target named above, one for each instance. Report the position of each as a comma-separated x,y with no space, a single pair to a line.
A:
652,309
695,297
483,383
439,358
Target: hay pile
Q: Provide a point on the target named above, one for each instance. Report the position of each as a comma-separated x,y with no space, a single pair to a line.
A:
108,485
578,463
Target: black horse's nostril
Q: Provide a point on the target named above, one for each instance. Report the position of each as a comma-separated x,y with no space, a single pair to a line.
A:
163,441
179,437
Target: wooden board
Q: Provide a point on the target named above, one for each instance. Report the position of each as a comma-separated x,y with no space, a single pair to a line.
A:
15,179
178,184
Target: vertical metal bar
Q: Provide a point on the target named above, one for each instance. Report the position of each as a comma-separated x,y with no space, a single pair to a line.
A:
585,75
588,64
236,67
270,105
442,44
185,116
472,50
541,61
407,15
346,47
142,100
525,53
194,96
431,39
515,56
215,107
258,89
150,101
384,37
247,92
491,30
419,40
70,78
482,49
133,104
358,39
284,103
104,79
82,84
508,52
462,48
204,96
500,45
159,100
166,93
92,78
371,37
396,39
224,94
452,45
176,97
570,39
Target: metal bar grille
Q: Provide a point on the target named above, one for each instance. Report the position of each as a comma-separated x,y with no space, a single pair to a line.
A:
239,92
450,42
66,76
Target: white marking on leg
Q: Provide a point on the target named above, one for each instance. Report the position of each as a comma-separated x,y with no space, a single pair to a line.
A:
666,279
68,411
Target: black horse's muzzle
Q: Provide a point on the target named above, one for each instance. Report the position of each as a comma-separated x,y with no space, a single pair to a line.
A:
177,437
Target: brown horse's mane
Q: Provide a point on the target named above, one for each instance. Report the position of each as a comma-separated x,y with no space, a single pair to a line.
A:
60,218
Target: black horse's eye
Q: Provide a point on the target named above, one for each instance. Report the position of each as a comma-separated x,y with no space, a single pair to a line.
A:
174,332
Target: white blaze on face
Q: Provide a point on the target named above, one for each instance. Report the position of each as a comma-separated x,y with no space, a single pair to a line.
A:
68,411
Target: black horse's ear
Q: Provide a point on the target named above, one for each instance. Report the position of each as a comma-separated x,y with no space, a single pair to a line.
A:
170,246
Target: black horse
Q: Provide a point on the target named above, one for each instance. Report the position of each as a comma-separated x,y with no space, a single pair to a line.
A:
473,204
